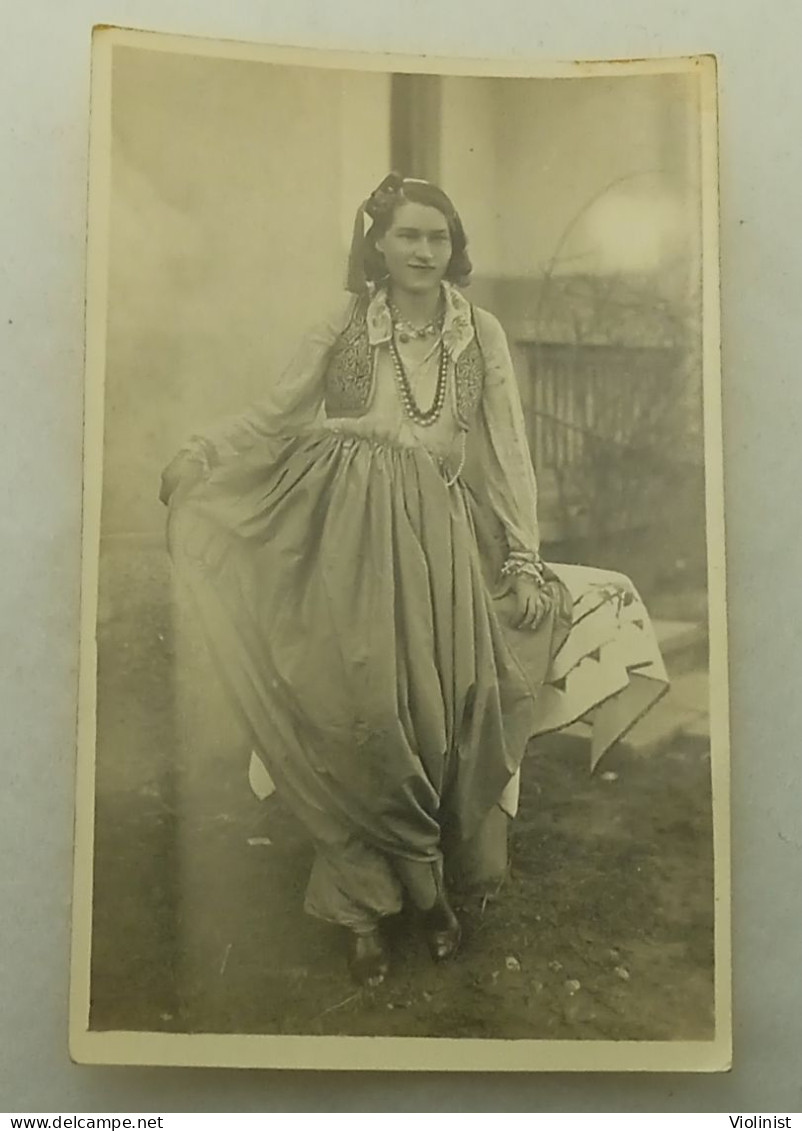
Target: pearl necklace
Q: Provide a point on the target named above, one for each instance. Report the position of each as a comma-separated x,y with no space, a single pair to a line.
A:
413,410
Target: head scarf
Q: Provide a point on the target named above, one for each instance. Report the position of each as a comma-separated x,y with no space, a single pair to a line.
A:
386,194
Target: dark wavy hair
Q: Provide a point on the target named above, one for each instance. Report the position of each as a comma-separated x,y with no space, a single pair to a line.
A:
381,206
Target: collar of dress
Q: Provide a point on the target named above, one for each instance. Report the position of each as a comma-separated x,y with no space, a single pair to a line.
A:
458,329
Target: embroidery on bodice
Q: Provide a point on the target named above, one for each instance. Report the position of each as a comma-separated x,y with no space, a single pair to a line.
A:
469,380
348,381
349,374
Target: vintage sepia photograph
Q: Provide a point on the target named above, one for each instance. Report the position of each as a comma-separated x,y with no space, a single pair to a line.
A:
403,737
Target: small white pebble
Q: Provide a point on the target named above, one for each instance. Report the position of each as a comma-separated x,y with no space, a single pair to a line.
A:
512,963
572,985
622,973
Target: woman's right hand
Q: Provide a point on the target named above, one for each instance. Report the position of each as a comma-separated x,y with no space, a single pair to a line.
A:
183,472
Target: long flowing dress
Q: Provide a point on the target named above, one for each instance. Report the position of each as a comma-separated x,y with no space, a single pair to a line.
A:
347,571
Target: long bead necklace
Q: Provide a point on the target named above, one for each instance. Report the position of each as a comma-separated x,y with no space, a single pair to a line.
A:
413,410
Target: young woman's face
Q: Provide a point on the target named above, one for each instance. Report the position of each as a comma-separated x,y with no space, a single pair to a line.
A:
416,247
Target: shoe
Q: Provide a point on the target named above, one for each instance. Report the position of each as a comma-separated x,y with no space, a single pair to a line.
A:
368,959
443,930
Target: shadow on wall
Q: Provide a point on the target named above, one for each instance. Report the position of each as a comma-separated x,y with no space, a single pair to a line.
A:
234,186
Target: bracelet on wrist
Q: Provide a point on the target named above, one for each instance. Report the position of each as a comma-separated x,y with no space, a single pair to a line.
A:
524,563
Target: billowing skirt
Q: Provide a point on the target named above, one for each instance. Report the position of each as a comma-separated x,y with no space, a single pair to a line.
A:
351,597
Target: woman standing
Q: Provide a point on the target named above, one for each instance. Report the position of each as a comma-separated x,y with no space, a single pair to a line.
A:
363,549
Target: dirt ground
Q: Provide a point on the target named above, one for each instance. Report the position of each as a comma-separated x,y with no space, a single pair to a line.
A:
604,929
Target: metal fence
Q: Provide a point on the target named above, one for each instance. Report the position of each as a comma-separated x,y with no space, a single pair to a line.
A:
586,397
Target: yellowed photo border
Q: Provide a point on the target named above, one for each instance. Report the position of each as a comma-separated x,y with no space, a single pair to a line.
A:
397,1054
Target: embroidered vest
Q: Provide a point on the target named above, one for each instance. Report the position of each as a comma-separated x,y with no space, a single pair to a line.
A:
349,376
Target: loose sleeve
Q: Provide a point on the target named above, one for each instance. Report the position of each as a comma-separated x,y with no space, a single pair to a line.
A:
505,463
294,400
